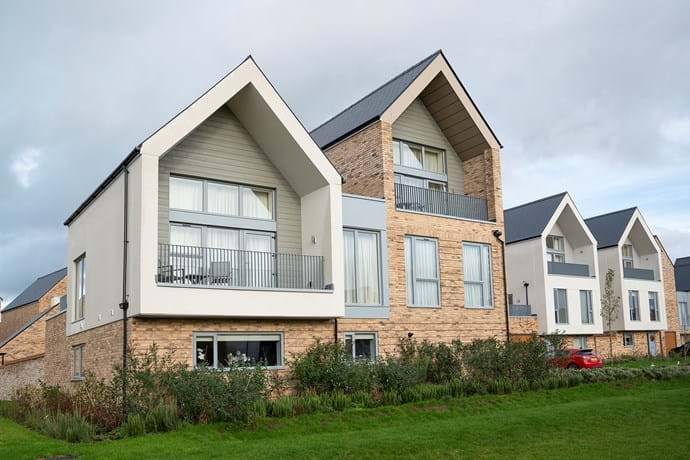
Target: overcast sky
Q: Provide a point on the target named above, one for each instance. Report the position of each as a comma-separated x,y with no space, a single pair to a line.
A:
586,96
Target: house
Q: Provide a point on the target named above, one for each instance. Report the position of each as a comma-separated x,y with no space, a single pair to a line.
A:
626,246
552,271
682,278
422,210
22,330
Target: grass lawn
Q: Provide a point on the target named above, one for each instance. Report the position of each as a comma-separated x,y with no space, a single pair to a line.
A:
643,362
617,420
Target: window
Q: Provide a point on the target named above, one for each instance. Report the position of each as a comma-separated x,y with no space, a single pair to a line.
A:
362,345
421,270
419,157
78,362
555,248
420,182
654,313
586,310
362,273
79,288
580,341
201,195
224,350
627,252
477,274
560,303
684,314
628,340
634,305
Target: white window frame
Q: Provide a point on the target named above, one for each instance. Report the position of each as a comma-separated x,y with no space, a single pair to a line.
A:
628,261
78,362
79,288
589,312
653,297
238,335
557,308
628,336
482,283
410,272
553,253
636,309
398,161
353,336
356,232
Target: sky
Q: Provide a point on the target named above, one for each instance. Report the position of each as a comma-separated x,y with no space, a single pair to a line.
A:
586,96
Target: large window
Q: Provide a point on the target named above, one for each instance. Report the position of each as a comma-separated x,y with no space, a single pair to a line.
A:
79,288
362,272
225,350
634,305
477,274
560,304
684,314
78,362
212,197
654,313
555,248
421,270
586,310
419,157
627,252
362,345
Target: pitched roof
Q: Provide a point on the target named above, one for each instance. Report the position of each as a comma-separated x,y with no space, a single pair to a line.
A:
608,228
529,220
37,289
369,108
682,272
28,324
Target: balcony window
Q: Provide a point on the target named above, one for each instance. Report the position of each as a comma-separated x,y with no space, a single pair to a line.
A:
223,199
226,350
560,303
419,157
627,251
420,182
477,275
361,345
421,270
362,272
654,313
634,305
586,310
79,288
186,194
555,248
257,203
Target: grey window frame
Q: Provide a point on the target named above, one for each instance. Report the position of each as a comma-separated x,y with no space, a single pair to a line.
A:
239,334
410,272
557,308
423,149
397,177
551,253
78,350
377,234
79,288
630,258
637,305
242,232
657,311
586,316
628,335
363,335
482,283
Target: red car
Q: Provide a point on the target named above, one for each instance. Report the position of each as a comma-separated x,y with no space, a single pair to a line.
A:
575,358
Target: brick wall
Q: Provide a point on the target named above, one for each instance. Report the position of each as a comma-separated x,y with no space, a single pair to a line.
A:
671,307
19,374
30,342
523,325
16,318
600,343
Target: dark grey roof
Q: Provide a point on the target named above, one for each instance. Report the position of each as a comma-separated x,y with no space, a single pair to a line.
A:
682,272
369,108
37,289
608,228
529,220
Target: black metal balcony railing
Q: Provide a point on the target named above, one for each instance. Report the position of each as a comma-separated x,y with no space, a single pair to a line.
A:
639,274
439,202
235,268
568,269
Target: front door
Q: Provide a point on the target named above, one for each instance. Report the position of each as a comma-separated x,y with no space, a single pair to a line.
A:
651,343
670,341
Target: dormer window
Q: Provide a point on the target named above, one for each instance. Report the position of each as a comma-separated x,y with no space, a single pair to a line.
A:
627,251
555,248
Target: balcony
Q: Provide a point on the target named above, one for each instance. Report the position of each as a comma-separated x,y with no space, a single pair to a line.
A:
519,310
567,269
639,274
441,203
231,268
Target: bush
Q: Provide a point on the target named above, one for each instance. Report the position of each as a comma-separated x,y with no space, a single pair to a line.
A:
393,374
134,425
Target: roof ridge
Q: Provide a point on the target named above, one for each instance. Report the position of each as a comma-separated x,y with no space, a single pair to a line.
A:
51,273
535,201
409,69
611,213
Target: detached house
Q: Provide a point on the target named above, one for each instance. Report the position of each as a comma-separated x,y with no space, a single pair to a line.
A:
553,270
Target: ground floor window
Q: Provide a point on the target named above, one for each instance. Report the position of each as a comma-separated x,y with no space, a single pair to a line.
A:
362,345
78,362
224,350
580,341
628,339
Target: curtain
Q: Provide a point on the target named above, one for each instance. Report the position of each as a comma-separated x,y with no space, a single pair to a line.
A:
186,194
411,156
367,268
350,293
259,261
408,269
472,262
185,236
586,307
477,275
257,203
187,258
433,161
486,275
223,199
425,272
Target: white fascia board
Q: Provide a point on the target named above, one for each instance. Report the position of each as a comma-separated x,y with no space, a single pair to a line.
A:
439,65
568,201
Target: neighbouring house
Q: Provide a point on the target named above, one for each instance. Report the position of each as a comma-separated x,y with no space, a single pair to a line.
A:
422,210
22,331
627,246
682,278
671,337
552,271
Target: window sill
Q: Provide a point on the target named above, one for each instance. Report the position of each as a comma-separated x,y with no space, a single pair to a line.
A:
490,307
77,379
424,306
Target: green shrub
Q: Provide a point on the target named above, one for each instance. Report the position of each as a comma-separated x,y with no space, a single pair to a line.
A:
162,418
363,399
135,425
281,407
390,398
393,374
340,401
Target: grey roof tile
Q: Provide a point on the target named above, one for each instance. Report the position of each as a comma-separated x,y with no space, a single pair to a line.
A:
529,220
608,228
37,289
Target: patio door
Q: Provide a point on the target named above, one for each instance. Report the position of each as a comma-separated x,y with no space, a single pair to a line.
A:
259,259
651,343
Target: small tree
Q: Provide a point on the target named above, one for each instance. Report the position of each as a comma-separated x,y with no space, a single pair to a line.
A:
610,307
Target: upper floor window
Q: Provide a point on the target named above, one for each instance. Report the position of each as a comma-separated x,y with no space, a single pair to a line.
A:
419,157
362,272
560,304
555,248
421,270
627,251
79,288
684,314
202,195
634,305
654,313
477,274
586,310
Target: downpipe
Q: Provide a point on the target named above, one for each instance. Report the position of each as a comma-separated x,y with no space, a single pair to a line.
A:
124,305
497,235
